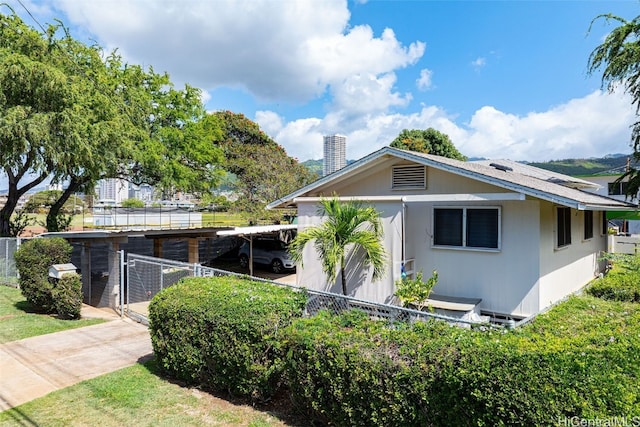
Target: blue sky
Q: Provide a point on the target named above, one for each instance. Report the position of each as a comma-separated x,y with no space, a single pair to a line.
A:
504,79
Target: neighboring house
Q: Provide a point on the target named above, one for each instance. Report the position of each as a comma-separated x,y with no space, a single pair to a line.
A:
517,237
627,222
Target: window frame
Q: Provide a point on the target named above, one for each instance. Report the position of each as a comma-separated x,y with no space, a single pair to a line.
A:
464,228
617,188
562,221
587,220
604,224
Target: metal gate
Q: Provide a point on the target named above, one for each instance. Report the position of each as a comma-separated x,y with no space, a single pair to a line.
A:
145,277
8,270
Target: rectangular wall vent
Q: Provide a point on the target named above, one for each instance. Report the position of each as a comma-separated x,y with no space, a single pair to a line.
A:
409,178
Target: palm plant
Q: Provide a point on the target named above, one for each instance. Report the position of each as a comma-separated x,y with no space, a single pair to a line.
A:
348,226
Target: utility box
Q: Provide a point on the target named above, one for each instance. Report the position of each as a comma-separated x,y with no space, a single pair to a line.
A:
57,271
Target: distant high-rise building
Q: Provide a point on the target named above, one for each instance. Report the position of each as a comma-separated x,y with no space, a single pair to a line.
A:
335,153
113,189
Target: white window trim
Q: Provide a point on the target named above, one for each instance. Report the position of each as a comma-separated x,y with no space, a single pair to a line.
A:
464,246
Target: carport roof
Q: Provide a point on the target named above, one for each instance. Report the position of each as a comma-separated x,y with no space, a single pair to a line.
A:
257,229
148,233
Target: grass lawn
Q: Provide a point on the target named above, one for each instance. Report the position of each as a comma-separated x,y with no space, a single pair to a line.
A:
136,396
18,319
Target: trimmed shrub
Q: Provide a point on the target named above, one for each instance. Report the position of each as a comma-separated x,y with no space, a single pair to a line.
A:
616,287
622,283
348,370
67,296
224,333
33,259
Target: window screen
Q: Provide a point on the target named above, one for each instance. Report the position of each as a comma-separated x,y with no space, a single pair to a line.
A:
467,227
588,224
482,228
448,227
564,227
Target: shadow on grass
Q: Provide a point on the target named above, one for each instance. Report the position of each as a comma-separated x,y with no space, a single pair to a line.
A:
27,307
21,418
280,406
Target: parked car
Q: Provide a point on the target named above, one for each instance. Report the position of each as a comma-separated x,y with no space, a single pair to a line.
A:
268,252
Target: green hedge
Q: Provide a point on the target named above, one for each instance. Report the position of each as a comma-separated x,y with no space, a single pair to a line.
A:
224,333
622,282
345,370
33,259
617,287
67,296
580,359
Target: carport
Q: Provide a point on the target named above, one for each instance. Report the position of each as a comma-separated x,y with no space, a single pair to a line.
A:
108,297
283,231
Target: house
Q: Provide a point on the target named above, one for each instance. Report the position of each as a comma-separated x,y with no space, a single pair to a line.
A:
515,237
627,222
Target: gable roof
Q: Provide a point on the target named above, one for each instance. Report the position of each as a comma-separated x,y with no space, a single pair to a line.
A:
529,180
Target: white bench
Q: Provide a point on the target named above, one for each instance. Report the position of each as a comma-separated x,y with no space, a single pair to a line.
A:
463,308
445,302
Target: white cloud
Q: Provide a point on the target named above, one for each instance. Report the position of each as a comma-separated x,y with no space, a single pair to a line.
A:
302,138
276,50
366,93
295,51
479,63
591,126
425,82
205,96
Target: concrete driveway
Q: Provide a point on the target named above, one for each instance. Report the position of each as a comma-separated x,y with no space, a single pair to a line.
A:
33,367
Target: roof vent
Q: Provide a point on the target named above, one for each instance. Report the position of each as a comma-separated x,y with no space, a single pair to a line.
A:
409,177
501,167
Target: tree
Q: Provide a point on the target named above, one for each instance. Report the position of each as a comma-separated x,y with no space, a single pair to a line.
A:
41,202
619,55
263,169
68,112
167,141
132,203
428,141
35,102
348,226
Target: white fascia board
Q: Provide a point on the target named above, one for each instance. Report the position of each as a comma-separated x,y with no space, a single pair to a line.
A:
350,199
470,197
257,229
587,207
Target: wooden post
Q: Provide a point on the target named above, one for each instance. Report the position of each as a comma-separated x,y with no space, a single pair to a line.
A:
193,250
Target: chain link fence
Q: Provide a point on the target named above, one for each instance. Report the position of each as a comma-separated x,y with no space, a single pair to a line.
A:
146,276
111,217
8,270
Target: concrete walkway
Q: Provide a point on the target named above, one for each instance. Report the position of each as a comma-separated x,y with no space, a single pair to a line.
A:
33,367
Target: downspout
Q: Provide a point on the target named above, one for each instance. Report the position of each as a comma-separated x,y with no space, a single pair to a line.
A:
403,219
